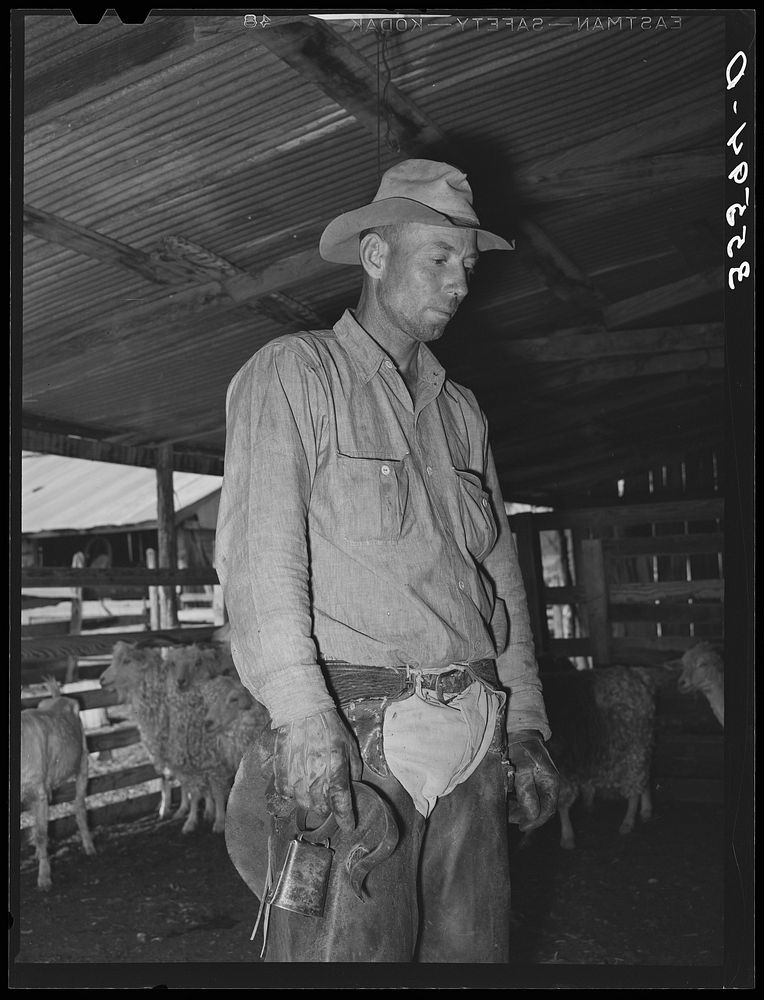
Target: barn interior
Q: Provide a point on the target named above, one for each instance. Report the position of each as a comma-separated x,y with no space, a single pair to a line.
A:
172,179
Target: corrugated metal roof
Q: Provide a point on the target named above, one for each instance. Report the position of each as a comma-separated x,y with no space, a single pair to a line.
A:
72,494
194,127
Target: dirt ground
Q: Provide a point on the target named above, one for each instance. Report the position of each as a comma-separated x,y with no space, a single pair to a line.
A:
158,908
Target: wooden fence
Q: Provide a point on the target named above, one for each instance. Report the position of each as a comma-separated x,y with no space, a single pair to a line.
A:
49,649
644,583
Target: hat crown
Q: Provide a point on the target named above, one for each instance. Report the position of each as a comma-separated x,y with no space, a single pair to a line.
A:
437,185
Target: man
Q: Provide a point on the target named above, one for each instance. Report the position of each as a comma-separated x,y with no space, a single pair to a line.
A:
377,608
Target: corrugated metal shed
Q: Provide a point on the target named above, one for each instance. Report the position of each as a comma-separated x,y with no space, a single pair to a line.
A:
74,495
178,174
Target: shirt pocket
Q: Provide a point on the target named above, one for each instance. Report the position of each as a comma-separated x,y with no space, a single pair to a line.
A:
480,531
375,492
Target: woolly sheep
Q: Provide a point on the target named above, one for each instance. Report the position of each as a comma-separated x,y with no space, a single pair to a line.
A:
195,756
53,750
603,725
233,717
160,686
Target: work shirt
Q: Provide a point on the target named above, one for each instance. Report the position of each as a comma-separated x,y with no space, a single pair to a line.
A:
356,525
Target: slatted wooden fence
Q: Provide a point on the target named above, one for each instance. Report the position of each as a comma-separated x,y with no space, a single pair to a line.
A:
646,583
48,650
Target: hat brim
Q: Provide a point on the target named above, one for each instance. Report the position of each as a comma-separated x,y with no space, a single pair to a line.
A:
247,822
339,241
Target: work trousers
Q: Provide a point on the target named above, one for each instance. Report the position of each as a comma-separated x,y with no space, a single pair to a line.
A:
443,895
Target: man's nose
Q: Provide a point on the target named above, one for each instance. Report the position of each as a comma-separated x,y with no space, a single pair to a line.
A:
458,283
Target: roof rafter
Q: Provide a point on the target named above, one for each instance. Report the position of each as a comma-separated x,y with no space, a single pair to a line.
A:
197,276
321,55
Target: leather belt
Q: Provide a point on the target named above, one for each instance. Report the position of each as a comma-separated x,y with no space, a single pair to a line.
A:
353,681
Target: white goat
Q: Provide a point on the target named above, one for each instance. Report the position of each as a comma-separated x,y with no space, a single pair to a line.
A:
603,725
91,718
53,750
702,669
162,687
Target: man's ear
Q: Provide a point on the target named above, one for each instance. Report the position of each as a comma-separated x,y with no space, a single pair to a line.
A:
373,251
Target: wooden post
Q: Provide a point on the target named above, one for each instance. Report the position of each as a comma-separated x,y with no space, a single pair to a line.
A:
151,563
166,540
75,622
529,555
591,576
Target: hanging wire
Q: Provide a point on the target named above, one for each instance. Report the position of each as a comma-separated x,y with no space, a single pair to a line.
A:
390,139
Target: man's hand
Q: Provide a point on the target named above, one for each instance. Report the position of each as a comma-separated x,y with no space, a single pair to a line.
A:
537,781
314,762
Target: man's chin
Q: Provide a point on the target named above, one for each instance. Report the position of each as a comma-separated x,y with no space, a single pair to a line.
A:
435,329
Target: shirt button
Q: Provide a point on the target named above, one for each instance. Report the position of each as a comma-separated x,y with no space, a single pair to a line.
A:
485,502
461,585
429,470
389,364
385,470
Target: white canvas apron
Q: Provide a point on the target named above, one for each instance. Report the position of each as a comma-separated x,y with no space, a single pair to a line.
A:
431,747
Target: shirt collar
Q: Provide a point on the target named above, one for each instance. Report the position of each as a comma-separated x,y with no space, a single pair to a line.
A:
367,355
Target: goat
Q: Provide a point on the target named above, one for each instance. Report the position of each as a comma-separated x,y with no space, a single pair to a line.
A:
53,750
602,723
91,718
701,669
162,687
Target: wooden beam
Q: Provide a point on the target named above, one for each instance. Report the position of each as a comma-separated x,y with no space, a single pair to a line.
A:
321,55
282,308
200,278
697,613
586,346
656,300
603,179
617,368
695,509
666,590
53,229
107,782
46,650
173,306
116,576
557,271
710,542
75,445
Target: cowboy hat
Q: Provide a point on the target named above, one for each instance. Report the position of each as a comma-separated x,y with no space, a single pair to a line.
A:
411,191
